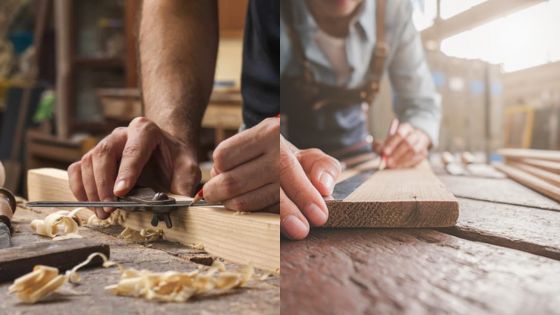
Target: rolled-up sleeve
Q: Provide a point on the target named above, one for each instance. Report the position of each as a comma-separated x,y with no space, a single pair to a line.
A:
415,97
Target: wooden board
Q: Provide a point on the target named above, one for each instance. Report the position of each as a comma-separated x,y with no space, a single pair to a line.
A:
411,197
504,191
242,238
531,181
360,271
64,255
552,178
553,167
528,229
547,155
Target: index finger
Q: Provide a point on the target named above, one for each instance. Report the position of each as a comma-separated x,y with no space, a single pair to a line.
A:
392,141
247,145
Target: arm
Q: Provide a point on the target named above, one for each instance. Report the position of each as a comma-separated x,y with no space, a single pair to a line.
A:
178,44
416,103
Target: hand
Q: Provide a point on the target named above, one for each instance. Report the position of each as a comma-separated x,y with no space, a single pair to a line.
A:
142,153
245,172
406,148
306,176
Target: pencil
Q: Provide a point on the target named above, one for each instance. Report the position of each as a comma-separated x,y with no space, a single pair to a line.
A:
392,130
199,196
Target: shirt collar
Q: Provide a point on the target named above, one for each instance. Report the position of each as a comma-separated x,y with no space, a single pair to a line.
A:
363,21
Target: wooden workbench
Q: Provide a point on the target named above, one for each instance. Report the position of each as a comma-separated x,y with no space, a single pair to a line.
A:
262,297
503,257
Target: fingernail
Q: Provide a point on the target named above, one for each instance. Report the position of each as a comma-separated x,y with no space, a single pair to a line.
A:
315,214
108,209
294,227
327,180
120,186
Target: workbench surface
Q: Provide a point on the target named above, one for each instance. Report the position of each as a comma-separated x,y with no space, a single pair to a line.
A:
502,257
260,297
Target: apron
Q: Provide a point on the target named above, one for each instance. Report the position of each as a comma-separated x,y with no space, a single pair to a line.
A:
329,117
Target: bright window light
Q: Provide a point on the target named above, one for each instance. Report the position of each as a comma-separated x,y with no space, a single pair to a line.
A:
524,39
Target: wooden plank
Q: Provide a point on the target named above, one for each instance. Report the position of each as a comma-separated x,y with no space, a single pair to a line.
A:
547,155
241,238
553,167
528,229
497,190
413,272
531,181
477,15
64,255
552,178
411,197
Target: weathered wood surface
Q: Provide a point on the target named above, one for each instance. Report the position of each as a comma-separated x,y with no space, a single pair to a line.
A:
411,197
260,298
547,176
249,238
361,271
497,190
553,167
63,254
528,229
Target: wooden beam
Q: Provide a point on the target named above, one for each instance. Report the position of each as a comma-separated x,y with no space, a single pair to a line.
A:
552,178
477,15
531,181
553,167
546,155
411,197
248,238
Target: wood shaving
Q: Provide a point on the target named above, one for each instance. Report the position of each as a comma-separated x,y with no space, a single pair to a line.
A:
144,235
198,246
174,286
170,286
57,224
44,280
116,218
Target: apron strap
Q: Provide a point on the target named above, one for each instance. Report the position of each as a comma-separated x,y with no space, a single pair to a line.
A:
288,17
380,53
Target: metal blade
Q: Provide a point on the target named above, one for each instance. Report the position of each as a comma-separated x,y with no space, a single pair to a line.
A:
5,237
346,187
95,204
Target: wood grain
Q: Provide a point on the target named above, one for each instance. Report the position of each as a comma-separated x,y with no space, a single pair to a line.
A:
360,271
528,229
498,191
531,181
547,155
411,197
241,238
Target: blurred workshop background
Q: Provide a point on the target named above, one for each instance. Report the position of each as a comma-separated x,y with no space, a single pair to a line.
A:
68,76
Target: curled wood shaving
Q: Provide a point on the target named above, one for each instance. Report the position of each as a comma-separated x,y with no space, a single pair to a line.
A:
173,286
116,218
144,235
44,280
58,223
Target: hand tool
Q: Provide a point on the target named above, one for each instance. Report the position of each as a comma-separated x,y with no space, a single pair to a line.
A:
139,199
392,130
7,208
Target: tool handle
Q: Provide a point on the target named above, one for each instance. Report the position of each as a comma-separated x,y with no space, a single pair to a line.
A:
7,203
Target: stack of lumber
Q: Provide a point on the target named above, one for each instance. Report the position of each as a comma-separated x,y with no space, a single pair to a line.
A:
536,169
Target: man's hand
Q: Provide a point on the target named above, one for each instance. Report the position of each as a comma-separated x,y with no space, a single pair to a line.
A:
141,152
306,176
406,148
245,172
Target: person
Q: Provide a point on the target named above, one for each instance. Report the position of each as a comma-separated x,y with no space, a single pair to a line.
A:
178,42
333,56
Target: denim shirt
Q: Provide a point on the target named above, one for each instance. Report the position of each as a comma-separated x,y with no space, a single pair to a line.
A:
415,100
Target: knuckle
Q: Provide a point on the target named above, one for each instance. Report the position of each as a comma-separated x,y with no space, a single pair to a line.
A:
74,167
286,163
103,148
271,126
229,184
86,160
138,121
131,150
118,131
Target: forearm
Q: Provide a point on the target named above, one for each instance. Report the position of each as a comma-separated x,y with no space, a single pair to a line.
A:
178,44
